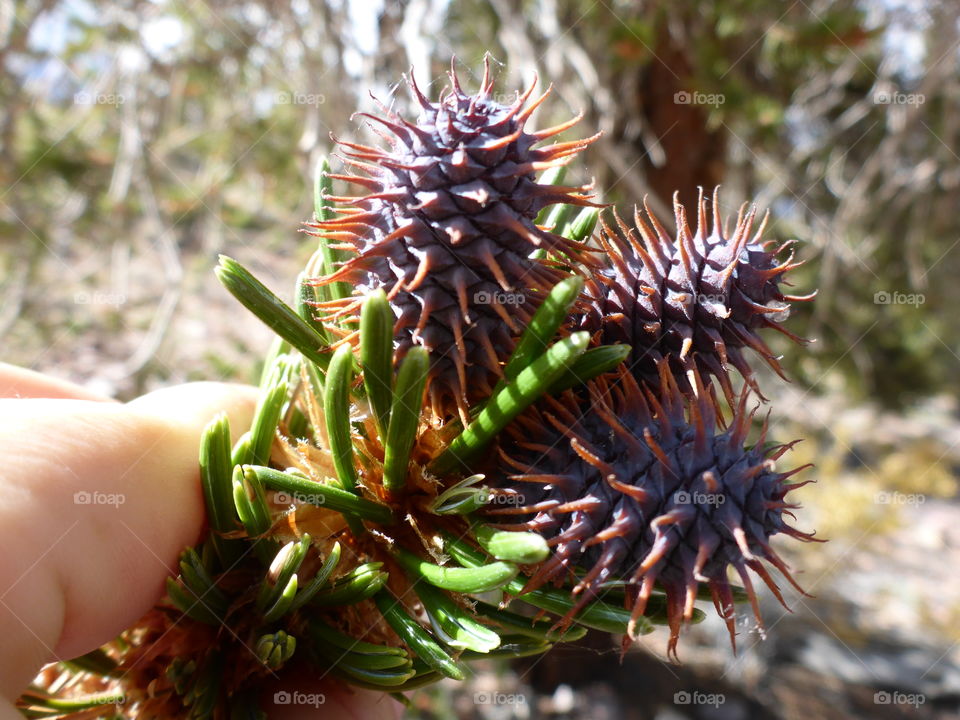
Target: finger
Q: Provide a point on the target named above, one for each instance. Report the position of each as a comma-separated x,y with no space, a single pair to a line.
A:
18,382
8,711
96,502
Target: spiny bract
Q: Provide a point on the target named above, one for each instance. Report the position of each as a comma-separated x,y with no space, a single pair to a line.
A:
704,295
634,487
448,230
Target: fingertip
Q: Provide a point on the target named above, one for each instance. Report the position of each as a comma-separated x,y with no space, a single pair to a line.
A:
193,405
22,383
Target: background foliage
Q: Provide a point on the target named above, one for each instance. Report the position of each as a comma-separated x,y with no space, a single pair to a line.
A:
163,132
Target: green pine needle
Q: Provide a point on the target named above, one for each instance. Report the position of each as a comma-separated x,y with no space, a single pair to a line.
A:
266,417
359,584
593,363
274,313
197,580
284,567
582,226
96,662
525,548
382,680
461,498
510,401
376,356
597,614
319,581
189,604
417,638
512,647
477,579
57,706
241,450
548,318
336,409
320,494
278,347
216,471
250,502
404,418
453,624
326,635
537,629
551,176
284,602
323,210
307,296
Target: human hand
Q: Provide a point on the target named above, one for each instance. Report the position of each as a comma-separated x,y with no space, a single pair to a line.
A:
75,573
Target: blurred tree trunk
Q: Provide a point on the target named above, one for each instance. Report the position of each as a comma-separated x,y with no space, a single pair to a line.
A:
692,154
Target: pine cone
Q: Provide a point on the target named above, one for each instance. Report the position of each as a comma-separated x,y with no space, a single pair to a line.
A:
630,485
448,229
703,295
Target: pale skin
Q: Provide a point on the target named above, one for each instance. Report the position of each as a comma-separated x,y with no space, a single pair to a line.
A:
74,575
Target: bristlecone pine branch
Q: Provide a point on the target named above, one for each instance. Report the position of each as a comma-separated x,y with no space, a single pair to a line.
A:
447,230
463,401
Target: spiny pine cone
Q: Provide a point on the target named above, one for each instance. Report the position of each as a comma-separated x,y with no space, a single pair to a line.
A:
703,295
447,230
639,490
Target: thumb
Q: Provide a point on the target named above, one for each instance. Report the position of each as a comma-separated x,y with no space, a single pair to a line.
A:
96,502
